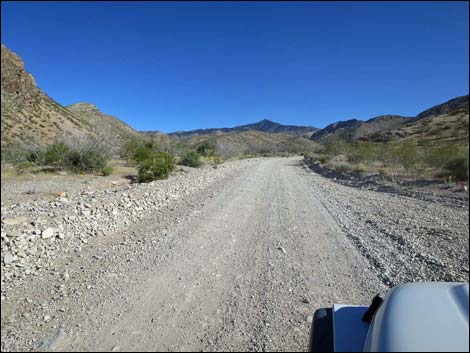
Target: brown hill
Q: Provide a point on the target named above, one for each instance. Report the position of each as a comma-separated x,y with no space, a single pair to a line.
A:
114,131
28,115
31,118
446,122
246,142
456,104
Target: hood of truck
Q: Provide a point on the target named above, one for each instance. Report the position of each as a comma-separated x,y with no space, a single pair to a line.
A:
422,317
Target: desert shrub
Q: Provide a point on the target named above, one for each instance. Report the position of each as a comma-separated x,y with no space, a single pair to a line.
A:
86,160
12,153
107,170
403,154
56,153
159,165
323,158
360,168
340,166
365,151
335,146
128,149
36,156
138,150
247,156
23,166
438,157
152,163
205,149
191,159
218,160
457,167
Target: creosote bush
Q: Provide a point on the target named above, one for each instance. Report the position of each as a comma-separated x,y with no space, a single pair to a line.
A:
457,167
206,149
79,157
158,165
152,164
107,170
191,159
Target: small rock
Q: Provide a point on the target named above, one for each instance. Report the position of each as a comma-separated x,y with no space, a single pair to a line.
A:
309,319
14,221
8,258
48,233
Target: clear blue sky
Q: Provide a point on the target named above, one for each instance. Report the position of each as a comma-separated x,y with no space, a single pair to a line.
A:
181,66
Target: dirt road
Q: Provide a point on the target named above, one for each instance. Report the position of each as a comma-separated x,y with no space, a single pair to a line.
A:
241,277
238,265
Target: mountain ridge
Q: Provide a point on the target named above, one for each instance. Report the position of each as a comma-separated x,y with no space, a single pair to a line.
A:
385,127
264,125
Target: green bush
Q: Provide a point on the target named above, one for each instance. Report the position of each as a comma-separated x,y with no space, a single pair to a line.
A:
107,170
83,157
191,159
56,154
206,149
158,166
152,163
85,161
457,167
438,157
138,150
36,156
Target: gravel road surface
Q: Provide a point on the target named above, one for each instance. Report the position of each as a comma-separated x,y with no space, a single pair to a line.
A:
233,258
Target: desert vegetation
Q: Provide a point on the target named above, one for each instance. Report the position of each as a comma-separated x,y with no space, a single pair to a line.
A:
78,156
191,159
152,163
402,158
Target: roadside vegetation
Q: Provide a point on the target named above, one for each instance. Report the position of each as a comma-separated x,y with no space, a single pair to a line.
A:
152,163
191,159
396,159
82,157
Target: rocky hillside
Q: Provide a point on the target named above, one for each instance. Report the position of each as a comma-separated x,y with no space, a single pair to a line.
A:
113,130
250,141
442,129
29,116
456,104
444,122
262,126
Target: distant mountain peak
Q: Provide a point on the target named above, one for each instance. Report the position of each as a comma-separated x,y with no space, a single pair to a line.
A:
264,125
267,121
